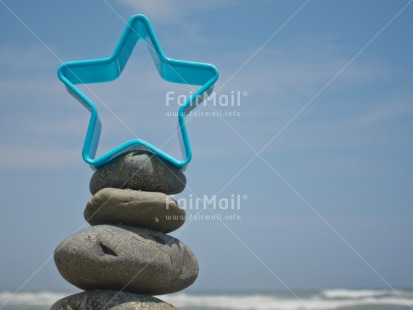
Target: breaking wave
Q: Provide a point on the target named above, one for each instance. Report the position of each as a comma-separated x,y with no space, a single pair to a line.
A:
321,300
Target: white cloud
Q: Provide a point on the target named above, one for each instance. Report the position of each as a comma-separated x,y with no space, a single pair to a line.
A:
398,106
26,59
294,69
22,157
174,11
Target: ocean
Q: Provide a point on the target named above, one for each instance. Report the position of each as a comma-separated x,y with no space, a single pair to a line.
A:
330,299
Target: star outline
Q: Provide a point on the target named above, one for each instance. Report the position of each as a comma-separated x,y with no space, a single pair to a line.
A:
108,69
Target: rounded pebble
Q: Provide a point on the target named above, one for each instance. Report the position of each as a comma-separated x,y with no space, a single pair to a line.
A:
152,210
126,258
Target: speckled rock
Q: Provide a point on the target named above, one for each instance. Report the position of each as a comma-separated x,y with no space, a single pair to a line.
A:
110,300
151,210
126,258
139,171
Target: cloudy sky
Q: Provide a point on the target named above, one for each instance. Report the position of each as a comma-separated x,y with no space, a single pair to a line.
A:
318,148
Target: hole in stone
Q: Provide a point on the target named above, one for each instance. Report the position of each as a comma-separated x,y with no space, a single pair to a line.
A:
106,250
158,239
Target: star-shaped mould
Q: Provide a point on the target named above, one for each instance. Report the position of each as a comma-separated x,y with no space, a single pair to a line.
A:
109,69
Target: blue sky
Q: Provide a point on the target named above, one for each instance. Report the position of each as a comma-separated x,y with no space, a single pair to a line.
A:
321,146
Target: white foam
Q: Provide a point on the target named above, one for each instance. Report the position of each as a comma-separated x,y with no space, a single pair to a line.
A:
345,293
270,302
326,300
32,299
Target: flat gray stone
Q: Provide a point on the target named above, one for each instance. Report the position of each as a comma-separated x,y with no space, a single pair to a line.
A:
139,171
110,300
152,210
116,257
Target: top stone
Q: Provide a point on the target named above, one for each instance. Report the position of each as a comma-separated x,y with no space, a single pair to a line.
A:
139,171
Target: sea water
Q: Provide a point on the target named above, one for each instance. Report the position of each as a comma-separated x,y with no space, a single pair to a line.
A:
331,299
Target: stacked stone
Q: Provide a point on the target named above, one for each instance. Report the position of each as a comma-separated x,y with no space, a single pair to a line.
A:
126,256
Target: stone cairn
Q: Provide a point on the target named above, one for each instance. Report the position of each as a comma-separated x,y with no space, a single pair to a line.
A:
126,256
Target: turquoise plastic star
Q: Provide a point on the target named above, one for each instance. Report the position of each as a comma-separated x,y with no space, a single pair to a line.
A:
109,69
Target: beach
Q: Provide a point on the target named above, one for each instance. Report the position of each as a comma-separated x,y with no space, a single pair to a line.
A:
328,299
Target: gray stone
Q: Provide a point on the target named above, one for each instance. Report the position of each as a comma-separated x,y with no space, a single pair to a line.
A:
139,171
126,258
110,300
151,210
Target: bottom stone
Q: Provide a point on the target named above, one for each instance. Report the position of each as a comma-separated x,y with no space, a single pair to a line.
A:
110,300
